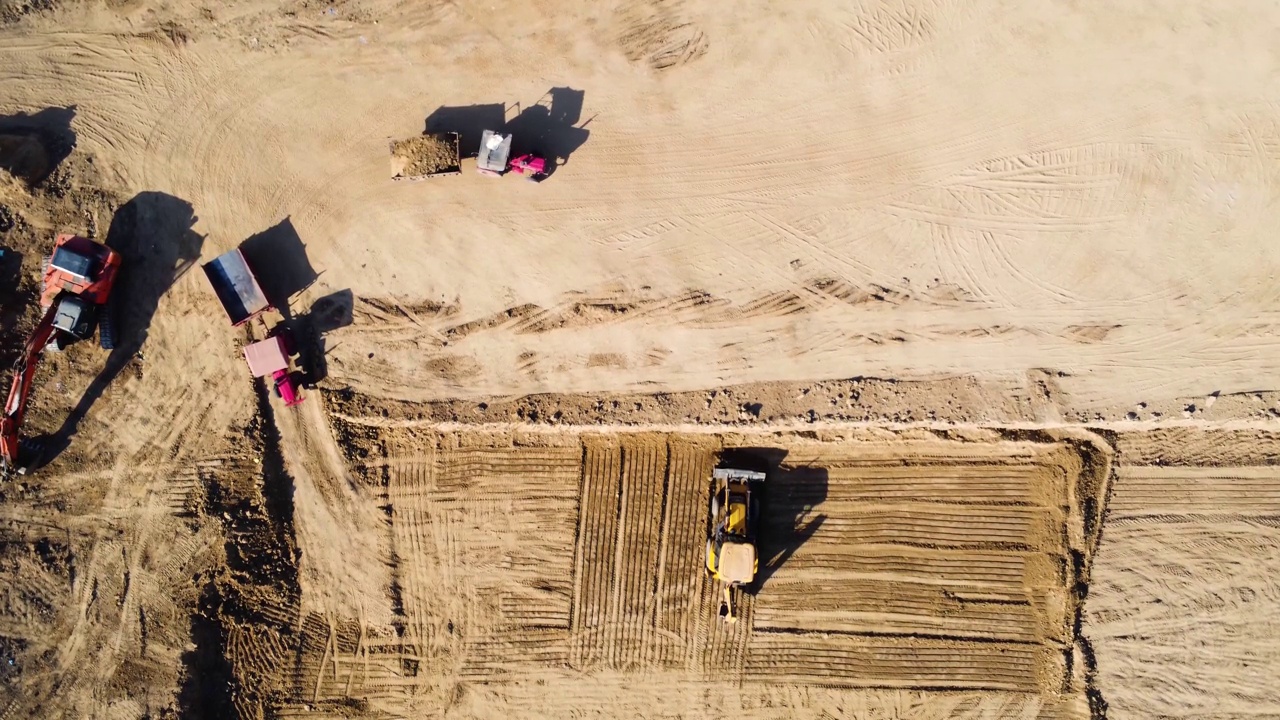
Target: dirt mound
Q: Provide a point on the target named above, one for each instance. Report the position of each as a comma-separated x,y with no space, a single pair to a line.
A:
14,10
24,157
423,155
854,399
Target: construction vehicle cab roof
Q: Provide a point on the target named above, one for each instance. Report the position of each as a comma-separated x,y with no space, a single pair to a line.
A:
72,262
495,148
266,356
736,562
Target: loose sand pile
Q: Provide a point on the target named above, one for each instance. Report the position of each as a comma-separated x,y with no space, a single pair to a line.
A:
423,155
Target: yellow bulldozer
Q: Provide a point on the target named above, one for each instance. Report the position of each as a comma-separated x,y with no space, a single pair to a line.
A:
731,537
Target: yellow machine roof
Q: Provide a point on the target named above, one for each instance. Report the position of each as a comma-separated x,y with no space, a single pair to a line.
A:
737,562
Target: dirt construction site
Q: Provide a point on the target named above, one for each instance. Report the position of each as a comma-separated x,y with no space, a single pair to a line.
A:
985,290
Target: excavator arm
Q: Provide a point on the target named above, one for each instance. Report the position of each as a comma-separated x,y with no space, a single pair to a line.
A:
24,371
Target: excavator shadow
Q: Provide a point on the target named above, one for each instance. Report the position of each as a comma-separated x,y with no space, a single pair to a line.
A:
33,145
157,246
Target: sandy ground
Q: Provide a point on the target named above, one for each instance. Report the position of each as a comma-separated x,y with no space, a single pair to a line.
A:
979,222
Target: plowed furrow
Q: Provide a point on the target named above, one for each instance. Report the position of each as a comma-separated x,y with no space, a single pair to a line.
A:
1155,491
598,516
971,484
684,536
991,571
926,524
897,607
644,473
893,662
490,658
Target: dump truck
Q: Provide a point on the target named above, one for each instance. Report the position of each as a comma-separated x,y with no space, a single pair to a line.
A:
531,165
236,287
429,155
731,537
241,295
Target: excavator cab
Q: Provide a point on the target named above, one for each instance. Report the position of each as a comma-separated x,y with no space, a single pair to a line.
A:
78,278
731,540
75,316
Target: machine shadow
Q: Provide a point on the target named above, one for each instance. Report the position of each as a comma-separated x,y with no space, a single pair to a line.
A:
153,234
549,128
13,297
279,261
469,121
788,518
33,145
329,313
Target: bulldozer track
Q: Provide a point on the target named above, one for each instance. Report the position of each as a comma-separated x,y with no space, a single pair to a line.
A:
597,532
644,473
682,562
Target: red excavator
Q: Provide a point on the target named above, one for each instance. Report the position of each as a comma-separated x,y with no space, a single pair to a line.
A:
78,278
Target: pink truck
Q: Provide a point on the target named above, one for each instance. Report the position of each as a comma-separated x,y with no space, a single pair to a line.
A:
241,296
270,357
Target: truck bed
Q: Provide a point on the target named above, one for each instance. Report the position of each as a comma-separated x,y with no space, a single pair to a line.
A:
425,156
236,287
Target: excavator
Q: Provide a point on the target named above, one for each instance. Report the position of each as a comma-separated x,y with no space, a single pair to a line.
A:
78,278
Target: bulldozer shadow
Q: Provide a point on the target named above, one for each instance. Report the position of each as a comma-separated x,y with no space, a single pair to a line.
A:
789,517
157,245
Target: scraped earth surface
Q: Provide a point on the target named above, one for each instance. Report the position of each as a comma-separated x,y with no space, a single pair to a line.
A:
997,277
541,573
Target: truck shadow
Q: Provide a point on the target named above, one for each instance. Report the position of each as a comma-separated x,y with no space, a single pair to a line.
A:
33,145
280,263
550,127
153,234
329,313
469,121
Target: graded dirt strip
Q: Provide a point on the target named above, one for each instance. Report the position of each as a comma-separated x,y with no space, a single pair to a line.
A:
596,552
682,566
1186,593
573,560
967,553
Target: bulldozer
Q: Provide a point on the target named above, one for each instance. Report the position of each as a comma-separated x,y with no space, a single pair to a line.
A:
731,538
